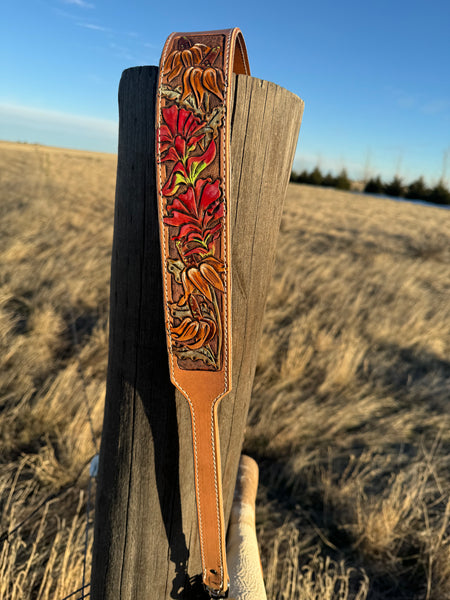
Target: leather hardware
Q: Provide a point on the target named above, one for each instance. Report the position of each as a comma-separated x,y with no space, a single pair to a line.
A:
217,595
193,179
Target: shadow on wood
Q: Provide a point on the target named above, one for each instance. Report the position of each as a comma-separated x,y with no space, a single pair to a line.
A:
146,541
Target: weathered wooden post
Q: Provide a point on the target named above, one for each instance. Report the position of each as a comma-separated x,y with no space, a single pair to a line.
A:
146,540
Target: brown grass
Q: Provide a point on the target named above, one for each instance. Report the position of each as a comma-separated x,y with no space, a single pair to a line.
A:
349,420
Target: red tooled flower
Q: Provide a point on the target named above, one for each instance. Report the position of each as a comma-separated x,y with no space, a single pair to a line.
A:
198,214
180,133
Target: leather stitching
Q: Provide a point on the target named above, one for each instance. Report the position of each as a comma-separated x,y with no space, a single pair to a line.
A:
225,303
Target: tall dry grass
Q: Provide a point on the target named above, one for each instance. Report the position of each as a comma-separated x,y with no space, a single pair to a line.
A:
350,417
349,420
55,242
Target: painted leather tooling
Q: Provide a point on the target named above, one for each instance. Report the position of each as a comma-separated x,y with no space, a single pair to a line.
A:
191,146
193,189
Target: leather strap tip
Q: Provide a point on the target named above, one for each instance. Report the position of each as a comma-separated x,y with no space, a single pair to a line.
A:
217,594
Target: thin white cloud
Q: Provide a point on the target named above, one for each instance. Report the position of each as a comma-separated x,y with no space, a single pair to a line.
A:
122,52
403,99
419,102
80,3
435,107
93,27
54,128
406,101
29,113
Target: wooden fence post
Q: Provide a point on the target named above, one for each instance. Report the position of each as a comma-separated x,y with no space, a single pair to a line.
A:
146,541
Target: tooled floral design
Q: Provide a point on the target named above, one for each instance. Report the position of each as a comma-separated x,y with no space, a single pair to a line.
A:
194,209
187,170
198,215
195,63
195,330
179,136
181,133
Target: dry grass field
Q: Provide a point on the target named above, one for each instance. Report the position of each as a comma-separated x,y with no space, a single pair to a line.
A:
349,420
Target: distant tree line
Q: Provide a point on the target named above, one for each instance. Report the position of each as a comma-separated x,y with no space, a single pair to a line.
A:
315,177
417,190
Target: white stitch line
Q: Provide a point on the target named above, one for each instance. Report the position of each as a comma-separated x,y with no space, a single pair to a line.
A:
225,298
219,523
194,426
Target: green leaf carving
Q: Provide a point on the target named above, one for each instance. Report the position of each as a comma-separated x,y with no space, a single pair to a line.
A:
179,312
204,354
214,121
171,94
176,267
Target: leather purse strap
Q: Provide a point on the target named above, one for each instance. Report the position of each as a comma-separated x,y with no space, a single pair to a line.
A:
193,178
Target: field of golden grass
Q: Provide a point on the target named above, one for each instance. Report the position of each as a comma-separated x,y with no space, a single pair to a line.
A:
349,419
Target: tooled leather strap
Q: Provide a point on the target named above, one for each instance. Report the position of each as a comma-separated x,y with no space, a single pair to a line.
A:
193,177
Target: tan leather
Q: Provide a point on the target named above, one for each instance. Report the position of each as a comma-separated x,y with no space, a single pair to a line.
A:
193,175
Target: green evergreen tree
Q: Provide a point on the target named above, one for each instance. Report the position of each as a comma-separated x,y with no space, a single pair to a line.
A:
374,186
395,188
329,180
342,181
417,190
439,194
303,177
316,177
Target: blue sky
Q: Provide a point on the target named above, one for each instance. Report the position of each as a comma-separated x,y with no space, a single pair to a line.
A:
375,76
